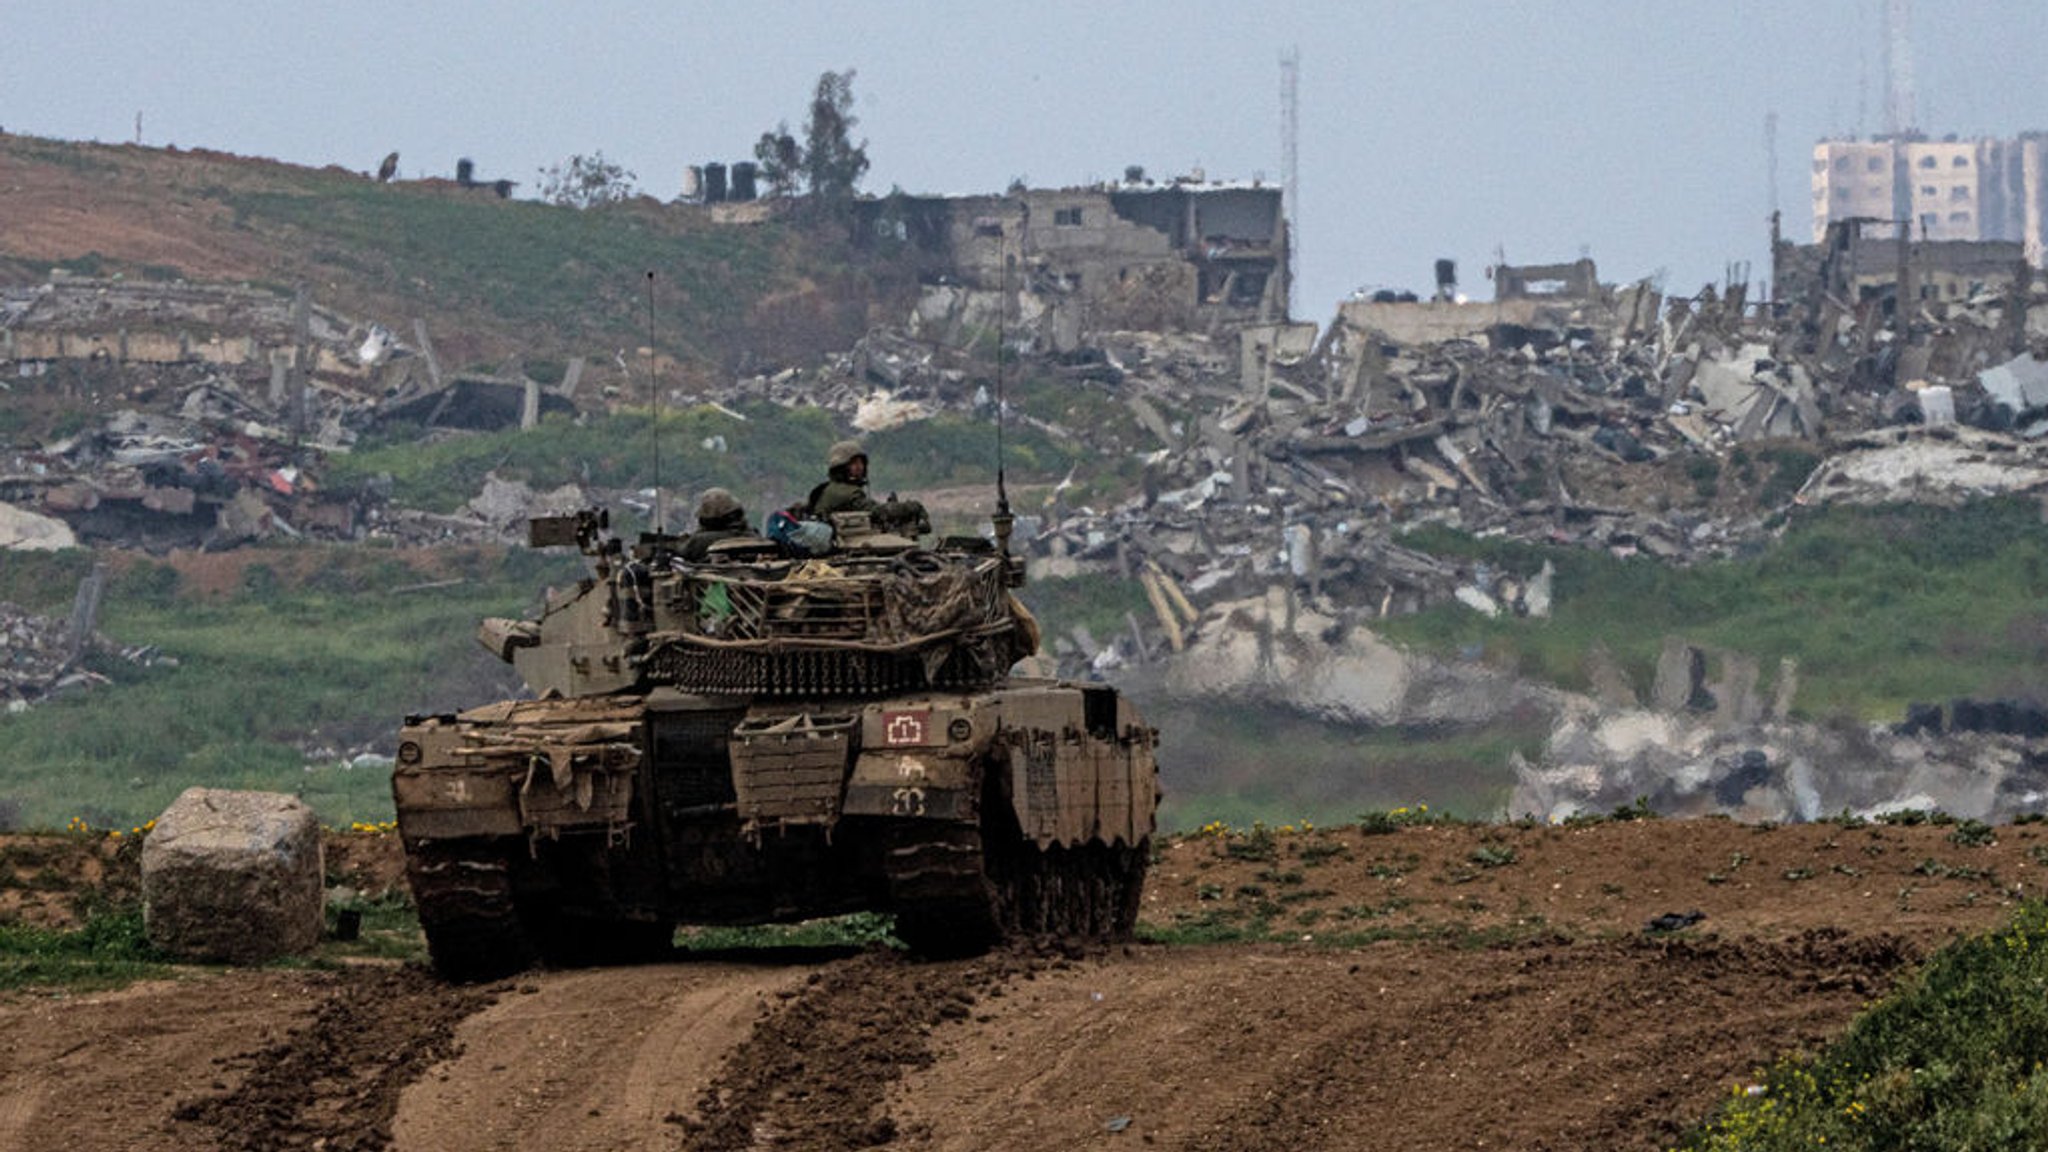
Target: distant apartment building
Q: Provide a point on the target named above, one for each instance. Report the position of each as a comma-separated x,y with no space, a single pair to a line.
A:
1982,189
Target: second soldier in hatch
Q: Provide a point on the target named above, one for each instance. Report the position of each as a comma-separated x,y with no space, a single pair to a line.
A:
846,490
720,516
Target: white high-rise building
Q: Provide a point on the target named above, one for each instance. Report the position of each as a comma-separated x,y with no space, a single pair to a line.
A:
1948,189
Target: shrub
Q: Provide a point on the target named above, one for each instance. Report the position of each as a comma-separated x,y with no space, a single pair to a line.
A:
1957,1058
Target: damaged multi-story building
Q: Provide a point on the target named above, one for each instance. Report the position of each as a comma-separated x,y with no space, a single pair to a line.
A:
1862,258
1184,254
1951,189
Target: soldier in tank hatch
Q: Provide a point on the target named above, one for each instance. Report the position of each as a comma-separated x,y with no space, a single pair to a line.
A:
720,516
846,490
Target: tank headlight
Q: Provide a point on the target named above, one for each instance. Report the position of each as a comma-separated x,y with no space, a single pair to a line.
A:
408,753
960,729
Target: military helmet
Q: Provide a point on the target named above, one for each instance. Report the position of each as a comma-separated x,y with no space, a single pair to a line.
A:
845,452
716,503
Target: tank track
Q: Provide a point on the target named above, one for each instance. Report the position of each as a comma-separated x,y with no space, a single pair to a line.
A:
958,893
463,891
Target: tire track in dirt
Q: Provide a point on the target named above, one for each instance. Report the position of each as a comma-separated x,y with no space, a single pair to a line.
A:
816,1071
594,1061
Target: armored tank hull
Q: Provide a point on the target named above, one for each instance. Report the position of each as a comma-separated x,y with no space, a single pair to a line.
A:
761,739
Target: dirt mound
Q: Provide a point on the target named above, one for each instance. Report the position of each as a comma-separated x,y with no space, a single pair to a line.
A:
1459,987
51,881
1616,1045
1482,883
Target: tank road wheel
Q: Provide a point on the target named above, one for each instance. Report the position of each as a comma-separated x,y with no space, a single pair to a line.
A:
463,890
959,890
1127,867
939,884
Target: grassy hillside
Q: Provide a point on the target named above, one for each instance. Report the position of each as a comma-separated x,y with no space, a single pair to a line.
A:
308,649
492,277
1957,1058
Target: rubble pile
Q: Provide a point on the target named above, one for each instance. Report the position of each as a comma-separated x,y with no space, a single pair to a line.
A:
1608,423
210,409
1612,419
1273,455
1598,761
36,658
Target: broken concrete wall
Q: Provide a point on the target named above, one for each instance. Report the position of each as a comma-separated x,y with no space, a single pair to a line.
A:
1435,321
1578,280
1106,258
29,532
1274,648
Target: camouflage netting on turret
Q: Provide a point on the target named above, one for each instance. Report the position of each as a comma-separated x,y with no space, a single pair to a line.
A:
842,626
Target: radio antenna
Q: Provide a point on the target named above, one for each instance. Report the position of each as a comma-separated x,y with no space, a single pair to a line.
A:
654,401
1002,520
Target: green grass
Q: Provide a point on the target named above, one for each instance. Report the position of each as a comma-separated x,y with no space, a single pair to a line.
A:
389,930
856,930
1879,607
496,275
580,274
261,676
1955,1059
108,950
1247,765
772,458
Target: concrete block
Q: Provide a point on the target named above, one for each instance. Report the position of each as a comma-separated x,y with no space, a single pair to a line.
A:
233,876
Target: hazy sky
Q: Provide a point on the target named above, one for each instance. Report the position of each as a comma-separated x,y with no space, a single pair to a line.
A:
1631,131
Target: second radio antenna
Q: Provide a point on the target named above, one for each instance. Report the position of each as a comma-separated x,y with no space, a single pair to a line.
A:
654,404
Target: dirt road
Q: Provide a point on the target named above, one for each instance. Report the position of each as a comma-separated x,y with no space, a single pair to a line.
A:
1458,988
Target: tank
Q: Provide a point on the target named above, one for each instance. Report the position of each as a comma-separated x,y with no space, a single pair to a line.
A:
759,737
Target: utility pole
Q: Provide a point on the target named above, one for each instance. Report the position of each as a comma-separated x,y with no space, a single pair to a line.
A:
1771,177
1900,113
1290,168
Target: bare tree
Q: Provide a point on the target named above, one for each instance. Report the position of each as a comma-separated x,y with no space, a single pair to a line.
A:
585,181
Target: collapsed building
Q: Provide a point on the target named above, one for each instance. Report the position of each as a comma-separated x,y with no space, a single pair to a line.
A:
1280,460
1864,258
1184,255
1588,415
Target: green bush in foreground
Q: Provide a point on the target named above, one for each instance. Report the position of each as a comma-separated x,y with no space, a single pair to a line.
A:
1956,1059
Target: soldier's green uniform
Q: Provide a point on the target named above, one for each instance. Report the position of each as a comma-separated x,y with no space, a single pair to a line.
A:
846,490
843,490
